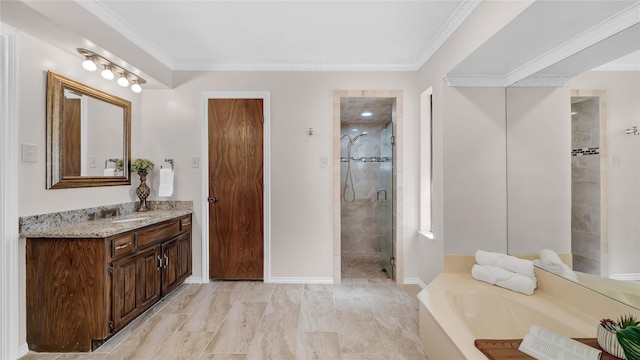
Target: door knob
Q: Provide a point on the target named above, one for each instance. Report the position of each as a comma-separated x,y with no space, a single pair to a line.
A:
212,199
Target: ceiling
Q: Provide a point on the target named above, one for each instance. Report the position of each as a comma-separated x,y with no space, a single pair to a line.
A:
153,39
283,35
351,108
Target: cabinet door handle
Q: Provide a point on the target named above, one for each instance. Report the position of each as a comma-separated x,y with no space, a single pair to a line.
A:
119,247
166,261
159,263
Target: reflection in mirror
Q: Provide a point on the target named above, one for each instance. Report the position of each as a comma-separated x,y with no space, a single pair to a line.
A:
573,178
88,136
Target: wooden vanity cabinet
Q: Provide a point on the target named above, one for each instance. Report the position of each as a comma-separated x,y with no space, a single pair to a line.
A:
80,292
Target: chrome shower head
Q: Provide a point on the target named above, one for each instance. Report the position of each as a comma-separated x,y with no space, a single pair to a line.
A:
361,134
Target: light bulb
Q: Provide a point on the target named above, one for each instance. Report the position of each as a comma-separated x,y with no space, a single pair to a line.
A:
123,81
107,73
136,88
89,65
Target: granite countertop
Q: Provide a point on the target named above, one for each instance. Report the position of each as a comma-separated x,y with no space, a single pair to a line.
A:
107,226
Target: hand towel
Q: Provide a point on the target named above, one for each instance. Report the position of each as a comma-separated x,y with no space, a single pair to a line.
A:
507,262
504,278
551,261
109,172
166,183
565,271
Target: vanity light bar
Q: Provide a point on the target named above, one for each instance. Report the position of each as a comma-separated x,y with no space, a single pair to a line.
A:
93,61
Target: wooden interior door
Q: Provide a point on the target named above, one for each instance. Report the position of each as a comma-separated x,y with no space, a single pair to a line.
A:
71,142
236,241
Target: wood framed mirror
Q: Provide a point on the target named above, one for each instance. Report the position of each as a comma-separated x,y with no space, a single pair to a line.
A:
88,136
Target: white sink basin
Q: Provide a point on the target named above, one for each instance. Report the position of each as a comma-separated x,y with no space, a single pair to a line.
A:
130,219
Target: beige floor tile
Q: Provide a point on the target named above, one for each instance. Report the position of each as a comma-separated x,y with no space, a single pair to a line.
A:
81,356
318,345
317,312
238,329
232,286
189,300
184,345
212,312
318,287
276,338
359,335
257,292
146,340
223,357
400,336
367,356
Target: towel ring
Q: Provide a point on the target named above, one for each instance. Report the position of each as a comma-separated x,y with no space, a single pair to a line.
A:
170,161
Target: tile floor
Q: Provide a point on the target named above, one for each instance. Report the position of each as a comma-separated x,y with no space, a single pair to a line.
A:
363,266
358,320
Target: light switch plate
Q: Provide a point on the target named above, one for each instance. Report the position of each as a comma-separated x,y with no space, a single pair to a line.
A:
195,162
29,153
324,162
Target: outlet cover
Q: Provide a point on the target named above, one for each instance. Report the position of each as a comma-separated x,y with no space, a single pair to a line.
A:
29,153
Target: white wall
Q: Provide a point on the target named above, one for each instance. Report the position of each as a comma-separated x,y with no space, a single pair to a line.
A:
451,125
34,59
301,191
539,169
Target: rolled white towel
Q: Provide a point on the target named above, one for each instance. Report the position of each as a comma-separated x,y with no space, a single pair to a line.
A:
504,278
109,172
565,271
507,262
551,261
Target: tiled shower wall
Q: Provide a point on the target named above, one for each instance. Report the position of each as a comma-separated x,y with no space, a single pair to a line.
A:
585,186
360,226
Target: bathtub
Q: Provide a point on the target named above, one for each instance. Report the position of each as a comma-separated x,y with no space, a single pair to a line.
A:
456,309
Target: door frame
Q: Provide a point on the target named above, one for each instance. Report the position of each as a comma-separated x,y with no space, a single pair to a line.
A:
11,346
398,193
266,162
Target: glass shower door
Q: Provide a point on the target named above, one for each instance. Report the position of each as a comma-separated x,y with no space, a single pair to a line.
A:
384,199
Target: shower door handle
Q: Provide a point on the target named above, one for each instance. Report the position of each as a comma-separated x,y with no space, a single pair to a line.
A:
381,191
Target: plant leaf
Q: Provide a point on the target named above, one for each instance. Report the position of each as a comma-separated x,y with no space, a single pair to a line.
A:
629,339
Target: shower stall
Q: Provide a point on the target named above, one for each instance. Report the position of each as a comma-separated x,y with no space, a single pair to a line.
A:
366,187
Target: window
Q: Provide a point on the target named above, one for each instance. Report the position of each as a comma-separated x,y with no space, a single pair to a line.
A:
426,161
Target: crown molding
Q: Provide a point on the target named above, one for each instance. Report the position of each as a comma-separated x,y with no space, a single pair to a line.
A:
613,66
198,65
473,80
599,32
545,80
459,16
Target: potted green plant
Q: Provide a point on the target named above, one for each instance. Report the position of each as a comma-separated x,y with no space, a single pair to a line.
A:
119,165
610,333
629,339
142,167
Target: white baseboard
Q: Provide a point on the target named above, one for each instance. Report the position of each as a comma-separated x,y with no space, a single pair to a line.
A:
415,281
195,280
23,350
625,277
300,280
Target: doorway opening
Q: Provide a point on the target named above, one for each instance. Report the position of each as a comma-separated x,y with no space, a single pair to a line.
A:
365,192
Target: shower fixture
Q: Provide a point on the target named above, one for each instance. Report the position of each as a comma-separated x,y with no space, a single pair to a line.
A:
632,131
349,178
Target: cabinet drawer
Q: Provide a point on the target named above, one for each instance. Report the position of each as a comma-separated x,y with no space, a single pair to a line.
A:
185,223
158,233
122,246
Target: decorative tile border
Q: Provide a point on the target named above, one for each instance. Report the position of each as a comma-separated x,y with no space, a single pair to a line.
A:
367,159
585,151
45,221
